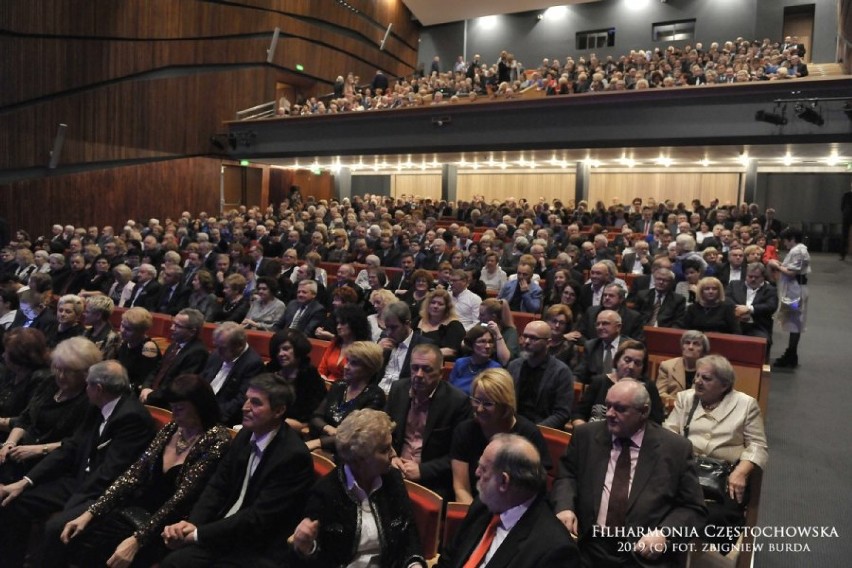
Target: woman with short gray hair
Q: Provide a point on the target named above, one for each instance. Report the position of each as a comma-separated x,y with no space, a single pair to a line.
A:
96,314
677,374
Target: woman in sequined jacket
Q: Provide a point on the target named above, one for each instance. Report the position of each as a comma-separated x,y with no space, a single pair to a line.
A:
123,526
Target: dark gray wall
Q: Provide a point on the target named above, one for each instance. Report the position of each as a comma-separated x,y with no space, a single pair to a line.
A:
531,39
374,185
770,23
803,197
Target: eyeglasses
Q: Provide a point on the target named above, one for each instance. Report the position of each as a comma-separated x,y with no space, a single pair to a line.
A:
479,403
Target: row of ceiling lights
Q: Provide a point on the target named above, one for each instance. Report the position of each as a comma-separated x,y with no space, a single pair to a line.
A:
491,163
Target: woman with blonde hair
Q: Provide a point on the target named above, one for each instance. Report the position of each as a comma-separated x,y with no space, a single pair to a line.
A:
439,323
69,311
711,311
96,315
494,412
379,299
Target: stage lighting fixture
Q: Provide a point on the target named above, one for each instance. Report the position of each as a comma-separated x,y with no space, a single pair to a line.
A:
808,113
770,117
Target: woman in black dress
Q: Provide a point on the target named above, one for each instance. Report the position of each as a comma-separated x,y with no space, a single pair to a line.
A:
711,311
26,366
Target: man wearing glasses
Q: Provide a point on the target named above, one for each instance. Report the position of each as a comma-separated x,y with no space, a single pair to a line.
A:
186,354
544,384
627,487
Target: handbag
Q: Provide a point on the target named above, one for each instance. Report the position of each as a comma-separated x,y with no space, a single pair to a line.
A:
712,472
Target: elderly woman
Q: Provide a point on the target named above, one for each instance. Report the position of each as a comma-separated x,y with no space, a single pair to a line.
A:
69,312
711,312
359,514
678,374
292,363
494,412
439,323
352,326
54,412
96,315
492,275
628,363
236,305
41,258
356,390
725,424
792,293
27,366
123,526
266,309
379,299
122,287
202,297
480,342
138,353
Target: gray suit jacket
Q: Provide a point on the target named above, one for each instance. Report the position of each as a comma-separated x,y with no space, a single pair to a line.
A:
664,492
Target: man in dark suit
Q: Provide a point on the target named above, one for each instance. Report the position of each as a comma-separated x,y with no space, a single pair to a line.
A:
426,410
645,225
511,503
255,498
660,306
174,296
186,354
67,481
544,384
628,473
756,301
590,293
398,343
229,369
388,256
595,359
263,266
146,293
638,261
768,222
612,298
305,313
734,269
402,282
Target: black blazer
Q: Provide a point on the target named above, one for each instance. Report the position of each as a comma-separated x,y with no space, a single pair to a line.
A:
671,310
538,540
664,493
148,297
232,395
312,318
274,500
449,407
178,301
724,274
96,460
190,359
592,363
631,322
765,304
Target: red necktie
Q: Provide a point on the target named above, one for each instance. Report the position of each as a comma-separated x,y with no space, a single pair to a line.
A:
478,555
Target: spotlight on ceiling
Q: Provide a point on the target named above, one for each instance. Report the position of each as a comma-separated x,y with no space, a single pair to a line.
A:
809,113
770,117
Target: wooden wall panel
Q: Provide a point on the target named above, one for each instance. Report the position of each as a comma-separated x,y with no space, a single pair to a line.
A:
427,186
319,186
112,196
531,186
677,186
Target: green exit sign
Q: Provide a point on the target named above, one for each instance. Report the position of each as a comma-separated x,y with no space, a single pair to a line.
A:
300,67
245,163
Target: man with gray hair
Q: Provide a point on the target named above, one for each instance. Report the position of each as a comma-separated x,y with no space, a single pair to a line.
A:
186,354
113,433
229,369
146,293
510,523
305,313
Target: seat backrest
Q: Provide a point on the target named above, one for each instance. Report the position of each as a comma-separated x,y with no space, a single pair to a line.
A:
161,416
557,442
318,347
428,507
322,465
455,514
